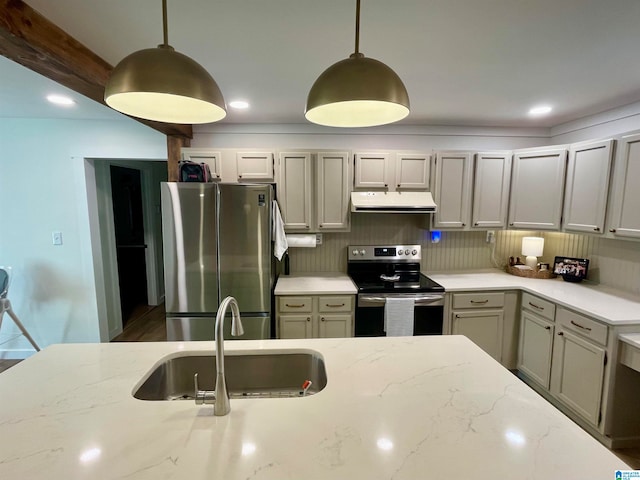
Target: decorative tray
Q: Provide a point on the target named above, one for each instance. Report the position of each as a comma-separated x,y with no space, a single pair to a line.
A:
542,274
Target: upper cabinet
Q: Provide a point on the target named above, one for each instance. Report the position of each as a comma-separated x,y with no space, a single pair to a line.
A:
452,190
537,188
204,155
492,176
587,186
254,166
313,191
392,171
625,220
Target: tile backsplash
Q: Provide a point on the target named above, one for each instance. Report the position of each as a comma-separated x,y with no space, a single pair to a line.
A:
614,263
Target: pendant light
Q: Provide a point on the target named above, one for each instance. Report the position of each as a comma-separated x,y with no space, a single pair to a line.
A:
357,92
164,85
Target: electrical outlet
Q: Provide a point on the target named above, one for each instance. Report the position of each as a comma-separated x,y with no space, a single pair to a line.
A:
57,238
491,236
318,239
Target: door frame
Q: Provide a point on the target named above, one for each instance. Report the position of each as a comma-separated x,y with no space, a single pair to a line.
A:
103,240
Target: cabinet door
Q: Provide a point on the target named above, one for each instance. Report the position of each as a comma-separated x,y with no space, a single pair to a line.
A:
537,189
294,190
587,186
295,326
626,219
204,155
578,374
452,187
482,327
372,170
536,344
335,326
254,166
491,189
412,171
333,186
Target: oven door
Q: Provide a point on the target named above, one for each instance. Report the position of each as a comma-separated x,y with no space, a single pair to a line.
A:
428,313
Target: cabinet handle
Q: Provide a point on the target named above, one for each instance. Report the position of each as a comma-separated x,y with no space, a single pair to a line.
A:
239,176
536,306
322,319
479,302
547,327
294,306
476,224
334,305
464,224
612,230
580,326
457,316
398,185
560,334
308,319
511,224
386,185
597,229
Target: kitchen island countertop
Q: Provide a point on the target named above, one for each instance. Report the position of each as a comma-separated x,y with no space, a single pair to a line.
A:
325,283
606,304
394,408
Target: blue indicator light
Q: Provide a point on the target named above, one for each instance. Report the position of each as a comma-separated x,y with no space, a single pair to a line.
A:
435,236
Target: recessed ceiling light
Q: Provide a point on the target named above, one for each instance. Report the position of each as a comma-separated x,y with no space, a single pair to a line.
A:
61,100
540,110
239,104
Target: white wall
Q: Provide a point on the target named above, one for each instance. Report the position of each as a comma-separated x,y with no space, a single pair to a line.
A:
388,137
43,189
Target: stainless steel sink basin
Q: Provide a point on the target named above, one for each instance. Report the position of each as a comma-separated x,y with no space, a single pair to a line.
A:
263,375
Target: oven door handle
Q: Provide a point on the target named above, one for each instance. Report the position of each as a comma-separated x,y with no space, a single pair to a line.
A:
419,299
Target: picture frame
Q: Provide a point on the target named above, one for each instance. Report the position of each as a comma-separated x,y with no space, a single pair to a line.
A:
571,269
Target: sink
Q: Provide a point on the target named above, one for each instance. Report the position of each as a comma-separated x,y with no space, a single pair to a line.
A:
249,375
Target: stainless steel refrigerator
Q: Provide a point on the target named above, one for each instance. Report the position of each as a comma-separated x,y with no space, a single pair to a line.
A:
217,242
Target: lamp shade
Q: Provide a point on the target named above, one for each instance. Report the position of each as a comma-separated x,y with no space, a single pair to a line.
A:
164,85
357,92
532,246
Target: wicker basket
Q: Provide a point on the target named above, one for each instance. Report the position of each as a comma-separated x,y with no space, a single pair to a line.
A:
542,274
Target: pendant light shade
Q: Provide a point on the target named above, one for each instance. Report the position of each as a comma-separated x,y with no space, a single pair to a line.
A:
163,85
357,92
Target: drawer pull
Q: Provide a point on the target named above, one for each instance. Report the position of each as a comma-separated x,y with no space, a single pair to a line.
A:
479,302
308,319
322,319
560,334
547,327
294,306
580,326
334,305
536,306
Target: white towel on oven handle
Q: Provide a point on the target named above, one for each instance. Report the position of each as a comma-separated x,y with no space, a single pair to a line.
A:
398,317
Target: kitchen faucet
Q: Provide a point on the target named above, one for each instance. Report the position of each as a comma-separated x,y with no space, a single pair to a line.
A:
220,396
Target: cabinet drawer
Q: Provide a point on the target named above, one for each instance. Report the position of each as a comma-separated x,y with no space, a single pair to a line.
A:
541,307
478,300
342,303
295,304
582,325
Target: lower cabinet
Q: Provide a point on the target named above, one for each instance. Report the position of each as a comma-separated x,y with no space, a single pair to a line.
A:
488,320
536,345
317,316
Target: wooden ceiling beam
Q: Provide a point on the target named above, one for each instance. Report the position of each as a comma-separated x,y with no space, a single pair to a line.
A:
28,38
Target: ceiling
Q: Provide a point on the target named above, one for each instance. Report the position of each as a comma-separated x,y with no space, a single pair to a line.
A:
464,62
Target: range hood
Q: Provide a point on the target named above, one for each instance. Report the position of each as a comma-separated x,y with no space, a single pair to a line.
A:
392,202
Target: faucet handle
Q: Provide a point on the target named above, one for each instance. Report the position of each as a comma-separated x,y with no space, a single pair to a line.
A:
203,396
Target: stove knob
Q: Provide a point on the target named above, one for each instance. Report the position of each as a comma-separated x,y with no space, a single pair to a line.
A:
354,252
400,252
414,252
362,252
407,251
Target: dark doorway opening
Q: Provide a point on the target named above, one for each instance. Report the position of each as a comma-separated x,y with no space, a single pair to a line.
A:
126,189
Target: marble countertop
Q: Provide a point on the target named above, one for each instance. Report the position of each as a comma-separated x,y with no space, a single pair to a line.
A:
332,283
608,305
394,408
632,339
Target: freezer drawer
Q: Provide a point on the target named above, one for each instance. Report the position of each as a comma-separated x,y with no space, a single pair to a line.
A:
202,328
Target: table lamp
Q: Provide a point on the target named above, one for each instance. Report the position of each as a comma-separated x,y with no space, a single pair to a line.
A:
532,249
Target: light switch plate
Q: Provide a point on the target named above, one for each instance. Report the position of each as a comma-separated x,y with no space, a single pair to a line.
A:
56,237
318,239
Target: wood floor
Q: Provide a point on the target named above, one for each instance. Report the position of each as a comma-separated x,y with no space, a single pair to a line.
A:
147,324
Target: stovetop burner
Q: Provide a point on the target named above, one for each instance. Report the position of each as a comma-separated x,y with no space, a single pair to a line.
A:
368,265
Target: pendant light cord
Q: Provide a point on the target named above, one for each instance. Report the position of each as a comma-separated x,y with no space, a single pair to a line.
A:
357,52
165,29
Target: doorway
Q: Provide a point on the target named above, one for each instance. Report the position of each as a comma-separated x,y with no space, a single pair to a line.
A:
128,220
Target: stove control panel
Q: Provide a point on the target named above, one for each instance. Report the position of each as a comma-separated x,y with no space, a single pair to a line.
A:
386,253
